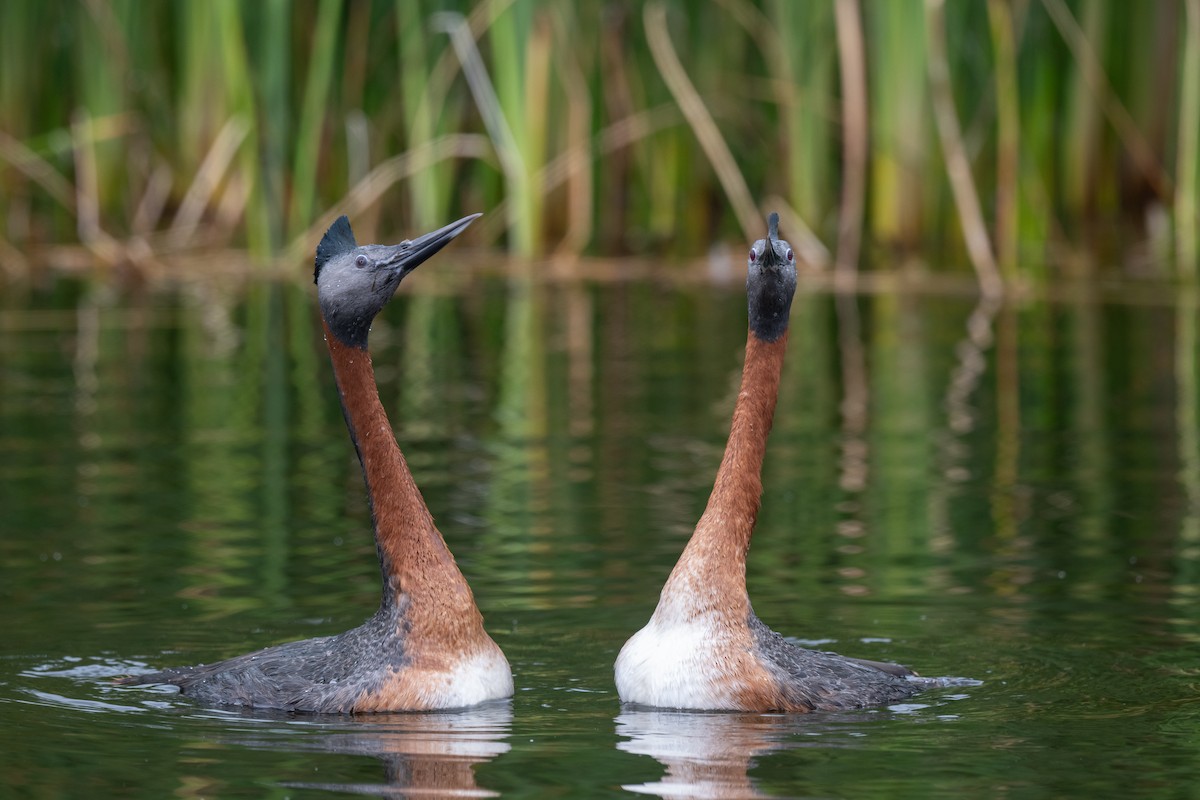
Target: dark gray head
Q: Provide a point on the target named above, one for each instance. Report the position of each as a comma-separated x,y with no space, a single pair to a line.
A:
770,283
354,282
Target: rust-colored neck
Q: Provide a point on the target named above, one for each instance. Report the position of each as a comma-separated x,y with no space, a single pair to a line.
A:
412,554
718,547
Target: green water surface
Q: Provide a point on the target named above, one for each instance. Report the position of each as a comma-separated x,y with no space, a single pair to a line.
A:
1008,494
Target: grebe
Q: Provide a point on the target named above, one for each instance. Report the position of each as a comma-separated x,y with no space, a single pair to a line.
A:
704,648
425,648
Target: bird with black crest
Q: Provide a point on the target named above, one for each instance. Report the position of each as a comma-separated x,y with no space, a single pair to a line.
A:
426,646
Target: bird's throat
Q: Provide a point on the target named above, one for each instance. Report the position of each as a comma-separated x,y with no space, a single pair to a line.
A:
722,535
412,552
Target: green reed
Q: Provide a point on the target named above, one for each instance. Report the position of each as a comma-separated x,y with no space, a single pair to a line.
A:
803,69
901,129
143,130
429,190
1187,203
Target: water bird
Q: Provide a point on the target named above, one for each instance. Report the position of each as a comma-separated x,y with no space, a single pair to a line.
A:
704,648
426,647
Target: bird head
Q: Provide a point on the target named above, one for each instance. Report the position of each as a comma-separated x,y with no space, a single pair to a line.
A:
354,282
770,283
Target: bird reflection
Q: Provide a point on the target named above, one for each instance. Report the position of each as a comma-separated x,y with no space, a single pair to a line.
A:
706,755
429,754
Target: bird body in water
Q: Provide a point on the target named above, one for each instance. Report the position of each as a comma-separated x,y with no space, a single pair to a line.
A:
704,648
426,647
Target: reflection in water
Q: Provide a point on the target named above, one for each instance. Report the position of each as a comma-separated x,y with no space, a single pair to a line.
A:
706,755
710,754
855,403
961,411
1187,335
425,754
962,405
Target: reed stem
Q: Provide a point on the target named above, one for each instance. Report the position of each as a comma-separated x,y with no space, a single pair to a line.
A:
958,168
1187,192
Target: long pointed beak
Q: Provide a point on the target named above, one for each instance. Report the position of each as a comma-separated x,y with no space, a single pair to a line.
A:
409,255
769,256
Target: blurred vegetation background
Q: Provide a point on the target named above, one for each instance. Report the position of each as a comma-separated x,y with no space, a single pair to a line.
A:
1003,135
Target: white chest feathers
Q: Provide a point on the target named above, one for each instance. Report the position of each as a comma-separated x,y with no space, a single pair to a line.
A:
680,664
485,676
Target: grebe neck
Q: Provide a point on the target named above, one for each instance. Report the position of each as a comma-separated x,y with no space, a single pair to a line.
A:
722,536
413,556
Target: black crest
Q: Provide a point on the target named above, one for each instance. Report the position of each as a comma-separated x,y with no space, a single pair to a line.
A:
337,240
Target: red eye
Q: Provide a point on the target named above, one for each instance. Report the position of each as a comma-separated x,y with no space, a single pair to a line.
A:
752,256
790,255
